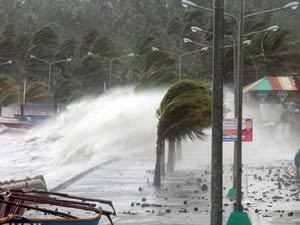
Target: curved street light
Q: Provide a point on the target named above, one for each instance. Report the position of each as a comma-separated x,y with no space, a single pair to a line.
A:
269,29
50,63
110,60
273,28
187,40
5,63
155,49
293,5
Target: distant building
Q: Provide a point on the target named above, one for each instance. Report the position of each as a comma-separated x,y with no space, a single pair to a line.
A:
277,97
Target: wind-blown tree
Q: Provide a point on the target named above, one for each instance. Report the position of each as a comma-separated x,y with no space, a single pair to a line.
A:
37,91
93,71
44,46
64,71
157,77
10,91
68,92
87,41
91,74
147,58
8,50
103,46
183,113
278,53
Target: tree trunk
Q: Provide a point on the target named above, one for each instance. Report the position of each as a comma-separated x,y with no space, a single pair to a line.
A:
171,157
0,111
162,163
178,151
157,181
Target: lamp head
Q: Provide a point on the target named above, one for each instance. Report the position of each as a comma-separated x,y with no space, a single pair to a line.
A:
247,42
195,29
187,40
9,62
186,3
154,49
204,49
293,5
273,28
69,60
130,55
90,53
32,57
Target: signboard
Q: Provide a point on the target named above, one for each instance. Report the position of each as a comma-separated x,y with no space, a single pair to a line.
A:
230,130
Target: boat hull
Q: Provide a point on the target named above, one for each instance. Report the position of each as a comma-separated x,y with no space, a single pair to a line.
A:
61,222
20,220
16,123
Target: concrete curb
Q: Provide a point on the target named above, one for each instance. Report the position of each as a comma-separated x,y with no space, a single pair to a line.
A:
79,176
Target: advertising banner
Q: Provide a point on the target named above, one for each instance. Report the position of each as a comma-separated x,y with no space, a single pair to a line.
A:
230,130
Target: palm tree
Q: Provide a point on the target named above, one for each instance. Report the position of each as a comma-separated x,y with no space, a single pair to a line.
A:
68,92
183,113
44,46
37,91
278,53
12,92
157,77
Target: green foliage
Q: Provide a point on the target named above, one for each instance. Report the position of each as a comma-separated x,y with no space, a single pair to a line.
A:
69,92
37,91
8,49
185,111
44,46
10,91
38,28
103,46
157,77
87,42
92,73
9,32
278,57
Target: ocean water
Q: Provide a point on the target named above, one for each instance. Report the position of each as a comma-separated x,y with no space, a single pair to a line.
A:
117,123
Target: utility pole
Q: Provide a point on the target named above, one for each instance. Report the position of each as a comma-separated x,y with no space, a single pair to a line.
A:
240,69
217,117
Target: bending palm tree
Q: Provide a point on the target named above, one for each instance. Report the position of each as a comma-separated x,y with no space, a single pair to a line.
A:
11,92
183,113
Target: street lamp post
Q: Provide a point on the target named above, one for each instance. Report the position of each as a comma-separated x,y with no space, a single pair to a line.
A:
179,56
50,63
110,60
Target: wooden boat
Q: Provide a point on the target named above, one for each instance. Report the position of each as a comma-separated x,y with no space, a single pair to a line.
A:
17,207
13,122
37,183
31,115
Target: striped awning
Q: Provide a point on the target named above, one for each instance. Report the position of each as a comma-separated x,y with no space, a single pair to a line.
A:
272,83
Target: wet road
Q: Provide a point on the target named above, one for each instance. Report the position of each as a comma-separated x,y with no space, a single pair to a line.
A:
183,198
